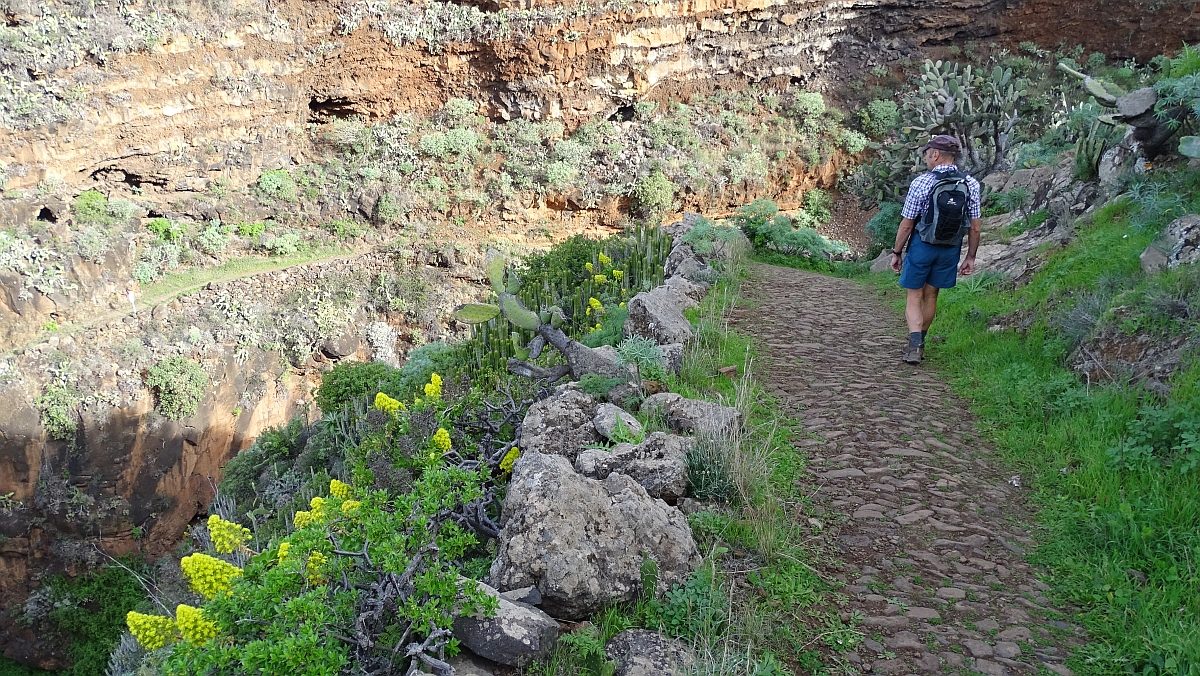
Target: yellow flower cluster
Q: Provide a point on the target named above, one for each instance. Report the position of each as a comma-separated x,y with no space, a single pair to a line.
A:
192,624
209,576
441,440
313,568
283,551
350,506
618,274
339,489
590,268
506,464
600,279
387,404
316,513
433,389
151,631
227,536
595,305
302,519
605,260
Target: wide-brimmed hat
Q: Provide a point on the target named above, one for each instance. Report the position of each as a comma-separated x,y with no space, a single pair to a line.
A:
944,143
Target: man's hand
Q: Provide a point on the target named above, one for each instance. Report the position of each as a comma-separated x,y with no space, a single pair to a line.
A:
896,260
968,266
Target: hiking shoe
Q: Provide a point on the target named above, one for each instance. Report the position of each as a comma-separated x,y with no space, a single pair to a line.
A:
913,354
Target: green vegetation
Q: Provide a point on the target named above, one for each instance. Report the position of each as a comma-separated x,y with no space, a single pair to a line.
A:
351,382
90,610
179,384
1113,465
795,235
91,208
276,185
57,405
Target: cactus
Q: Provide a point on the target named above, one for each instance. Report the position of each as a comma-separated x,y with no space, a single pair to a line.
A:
1105,93
476,313
1088,151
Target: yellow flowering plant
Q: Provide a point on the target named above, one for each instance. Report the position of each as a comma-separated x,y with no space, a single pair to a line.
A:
227,537
193,626
339,489
388,405
208,575
151,631
506,464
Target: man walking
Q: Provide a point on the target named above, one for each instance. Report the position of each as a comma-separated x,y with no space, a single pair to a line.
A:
942,206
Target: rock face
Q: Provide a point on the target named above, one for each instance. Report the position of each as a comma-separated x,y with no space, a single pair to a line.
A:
657,314
638,652
580,541
693,415
1179,245
606,419
658,464
560,425
693,290
516,635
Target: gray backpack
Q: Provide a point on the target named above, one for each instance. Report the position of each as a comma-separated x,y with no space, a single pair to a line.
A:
947,218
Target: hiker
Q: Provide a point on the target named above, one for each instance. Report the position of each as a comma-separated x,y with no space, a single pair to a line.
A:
942,206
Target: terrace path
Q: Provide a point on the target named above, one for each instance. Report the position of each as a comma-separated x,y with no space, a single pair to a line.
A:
930,530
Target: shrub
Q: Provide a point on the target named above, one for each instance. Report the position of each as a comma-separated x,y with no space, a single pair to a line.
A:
654,192
568,256
346,383
883,226
597,385
287,244
274,445
91,208
462,141
457,109
819,205
167,230
90,609
57,405
560,175
276,185
645,354
93,243
1168,434
212,240
345,228
388,208
251,230
879,118
179,384
852,141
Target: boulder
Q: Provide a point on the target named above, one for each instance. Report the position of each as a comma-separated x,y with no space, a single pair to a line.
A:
639,652
516,635
678,256
606,419
528,595
1182,237
658,315
581,541
658,464
692,292
882,262
680,228
584,360
693,415
1154,258
672,357
560,425
342,346
466,664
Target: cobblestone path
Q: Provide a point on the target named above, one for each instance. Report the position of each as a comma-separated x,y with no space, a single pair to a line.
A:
930,527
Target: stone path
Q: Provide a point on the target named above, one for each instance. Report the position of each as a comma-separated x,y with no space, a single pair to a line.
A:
931,529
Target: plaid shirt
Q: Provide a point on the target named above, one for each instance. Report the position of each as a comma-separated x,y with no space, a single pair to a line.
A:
918,194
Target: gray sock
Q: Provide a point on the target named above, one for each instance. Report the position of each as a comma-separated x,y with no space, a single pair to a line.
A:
916,338
923,336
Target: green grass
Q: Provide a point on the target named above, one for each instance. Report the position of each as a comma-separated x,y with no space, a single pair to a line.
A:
1096,521
847,269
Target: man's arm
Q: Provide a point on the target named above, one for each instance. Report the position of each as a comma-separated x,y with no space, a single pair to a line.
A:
968,265
902,235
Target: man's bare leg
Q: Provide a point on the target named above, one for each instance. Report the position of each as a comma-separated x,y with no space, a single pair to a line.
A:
914,312
929,296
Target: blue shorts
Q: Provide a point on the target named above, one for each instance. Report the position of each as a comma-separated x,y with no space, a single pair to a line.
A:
930,264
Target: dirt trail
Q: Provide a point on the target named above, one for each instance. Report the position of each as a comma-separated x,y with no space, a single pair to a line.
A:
931,528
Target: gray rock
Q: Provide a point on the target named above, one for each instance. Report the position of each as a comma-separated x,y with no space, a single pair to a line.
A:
658,464
625,395
560,425
1154,258
606,421
693,415
342,346
672,357
466,664
680,228
638,652
658,315
883,262
680,254
584,360
1182,237
1137,103
527,595
515,636
694,292
581,541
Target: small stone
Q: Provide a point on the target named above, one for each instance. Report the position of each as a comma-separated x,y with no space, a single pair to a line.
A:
905,640
874,646
923,614
1007,650
890,667
978,648
843,473
1015,634
893,621
951,593
952,660
990,668
902,584
928,662
1060,669
913,517
987,624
